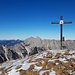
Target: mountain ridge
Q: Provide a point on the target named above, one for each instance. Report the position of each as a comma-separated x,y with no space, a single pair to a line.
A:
10,42
32,46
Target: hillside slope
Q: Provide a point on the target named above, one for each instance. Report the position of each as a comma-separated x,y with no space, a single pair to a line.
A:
50,62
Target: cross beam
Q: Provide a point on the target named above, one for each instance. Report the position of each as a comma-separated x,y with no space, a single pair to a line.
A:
61,22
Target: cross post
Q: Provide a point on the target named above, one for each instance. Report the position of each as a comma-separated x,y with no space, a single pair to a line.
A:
61,22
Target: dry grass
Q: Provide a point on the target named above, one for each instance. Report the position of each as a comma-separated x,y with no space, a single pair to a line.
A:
2,69
66,53
29,71
18,66
58,55
60,68
50,65
45,73
39,64
5,70
49,55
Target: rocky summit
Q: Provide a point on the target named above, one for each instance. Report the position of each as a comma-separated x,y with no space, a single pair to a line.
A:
32,46
48,62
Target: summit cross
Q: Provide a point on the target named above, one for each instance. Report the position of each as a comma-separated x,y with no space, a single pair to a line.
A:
61,22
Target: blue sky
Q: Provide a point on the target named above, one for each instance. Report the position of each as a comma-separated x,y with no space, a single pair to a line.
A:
20,19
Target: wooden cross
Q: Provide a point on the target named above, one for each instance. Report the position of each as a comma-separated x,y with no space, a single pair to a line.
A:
61,22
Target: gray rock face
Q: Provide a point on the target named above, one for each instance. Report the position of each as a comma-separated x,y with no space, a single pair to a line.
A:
20,49
32,43
2,55
12,55
12,52
47,44
33,51
7,54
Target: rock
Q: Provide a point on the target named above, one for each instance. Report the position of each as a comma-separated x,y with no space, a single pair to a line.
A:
12,55
33,51
7,54
19,49
2,58
2,54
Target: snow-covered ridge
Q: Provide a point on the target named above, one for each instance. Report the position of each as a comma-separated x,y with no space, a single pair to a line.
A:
50,62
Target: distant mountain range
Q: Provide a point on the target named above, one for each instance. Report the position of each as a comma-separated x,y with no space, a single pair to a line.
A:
10,42
14,49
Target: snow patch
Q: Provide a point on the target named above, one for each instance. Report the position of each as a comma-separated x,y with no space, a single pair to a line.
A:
37,68
51,60
0,72
26,65
13,72
62,59
41,72
52,73
71,52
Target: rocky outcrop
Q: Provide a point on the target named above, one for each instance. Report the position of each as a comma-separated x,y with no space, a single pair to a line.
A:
31,43
19,49
12,55
12,52
2,54
33,51
7,54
